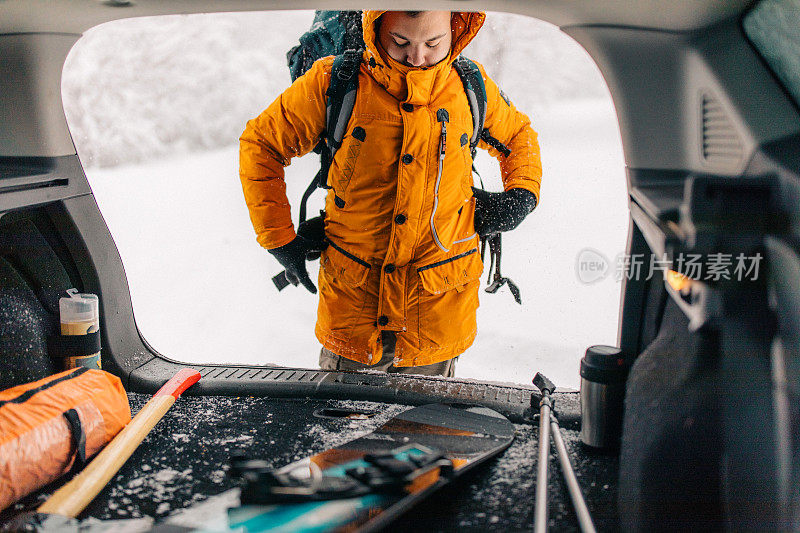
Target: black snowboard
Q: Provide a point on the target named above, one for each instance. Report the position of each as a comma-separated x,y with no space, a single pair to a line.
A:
359,486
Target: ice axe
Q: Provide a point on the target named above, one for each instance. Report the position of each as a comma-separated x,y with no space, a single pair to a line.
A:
546,414
496,279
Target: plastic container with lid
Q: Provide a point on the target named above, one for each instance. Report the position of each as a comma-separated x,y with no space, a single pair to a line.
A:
80,315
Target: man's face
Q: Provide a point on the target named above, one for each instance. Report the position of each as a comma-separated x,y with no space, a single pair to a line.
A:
420,41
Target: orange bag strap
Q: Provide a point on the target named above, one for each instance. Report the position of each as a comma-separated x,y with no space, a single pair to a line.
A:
25,396
78,437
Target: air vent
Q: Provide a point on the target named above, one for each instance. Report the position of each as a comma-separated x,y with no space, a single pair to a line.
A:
722,145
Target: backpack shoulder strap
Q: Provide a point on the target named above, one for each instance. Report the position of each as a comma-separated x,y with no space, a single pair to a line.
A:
341,97
475,88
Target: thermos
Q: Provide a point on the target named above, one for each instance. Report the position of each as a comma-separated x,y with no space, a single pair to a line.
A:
80,315
603,374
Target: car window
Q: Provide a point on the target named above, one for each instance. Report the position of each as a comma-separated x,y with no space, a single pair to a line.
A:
773,26
156,106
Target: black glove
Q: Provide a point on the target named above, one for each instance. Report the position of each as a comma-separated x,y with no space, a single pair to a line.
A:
313,230
501,211
293,258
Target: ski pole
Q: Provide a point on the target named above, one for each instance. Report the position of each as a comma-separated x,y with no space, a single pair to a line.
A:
581,510
545,408
584,518
73,497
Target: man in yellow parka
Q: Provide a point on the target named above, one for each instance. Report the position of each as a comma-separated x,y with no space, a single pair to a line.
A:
399,280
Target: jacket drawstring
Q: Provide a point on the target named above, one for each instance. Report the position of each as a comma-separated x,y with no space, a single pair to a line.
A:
443,117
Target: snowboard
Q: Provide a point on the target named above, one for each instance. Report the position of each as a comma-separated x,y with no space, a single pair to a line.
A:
362,485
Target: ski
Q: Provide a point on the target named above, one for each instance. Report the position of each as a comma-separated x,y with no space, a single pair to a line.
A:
362,485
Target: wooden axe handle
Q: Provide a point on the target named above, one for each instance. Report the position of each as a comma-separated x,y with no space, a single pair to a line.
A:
73,497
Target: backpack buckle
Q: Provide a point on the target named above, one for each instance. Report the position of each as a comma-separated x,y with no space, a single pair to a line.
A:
349,60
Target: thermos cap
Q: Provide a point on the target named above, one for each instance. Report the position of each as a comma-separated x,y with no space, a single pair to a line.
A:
604,364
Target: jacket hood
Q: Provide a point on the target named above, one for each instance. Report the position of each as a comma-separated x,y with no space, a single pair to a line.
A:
397,77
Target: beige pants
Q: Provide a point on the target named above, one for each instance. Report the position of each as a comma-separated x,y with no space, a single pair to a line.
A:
331,361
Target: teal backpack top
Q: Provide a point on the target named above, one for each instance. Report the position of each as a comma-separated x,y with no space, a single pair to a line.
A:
331,33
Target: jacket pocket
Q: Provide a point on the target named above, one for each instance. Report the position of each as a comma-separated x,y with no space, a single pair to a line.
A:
451,273
342,266
446,302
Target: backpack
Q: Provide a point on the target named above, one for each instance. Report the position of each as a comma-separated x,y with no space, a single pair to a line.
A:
331,33
339,33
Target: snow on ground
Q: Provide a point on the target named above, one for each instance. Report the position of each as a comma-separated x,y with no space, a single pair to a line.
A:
201,285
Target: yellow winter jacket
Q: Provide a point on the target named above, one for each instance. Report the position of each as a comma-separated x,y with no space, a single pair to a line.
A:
404,254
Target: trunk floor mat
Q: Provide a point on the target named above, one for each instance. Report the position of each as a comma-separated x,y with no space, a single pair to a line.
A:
184,461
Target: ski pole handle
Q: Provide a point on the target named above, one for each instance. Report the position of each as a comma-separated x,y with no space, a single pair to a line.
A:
73,497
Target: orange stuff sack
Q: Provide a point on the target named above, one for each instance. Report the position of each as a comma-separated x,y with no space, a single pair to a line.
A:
51,425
